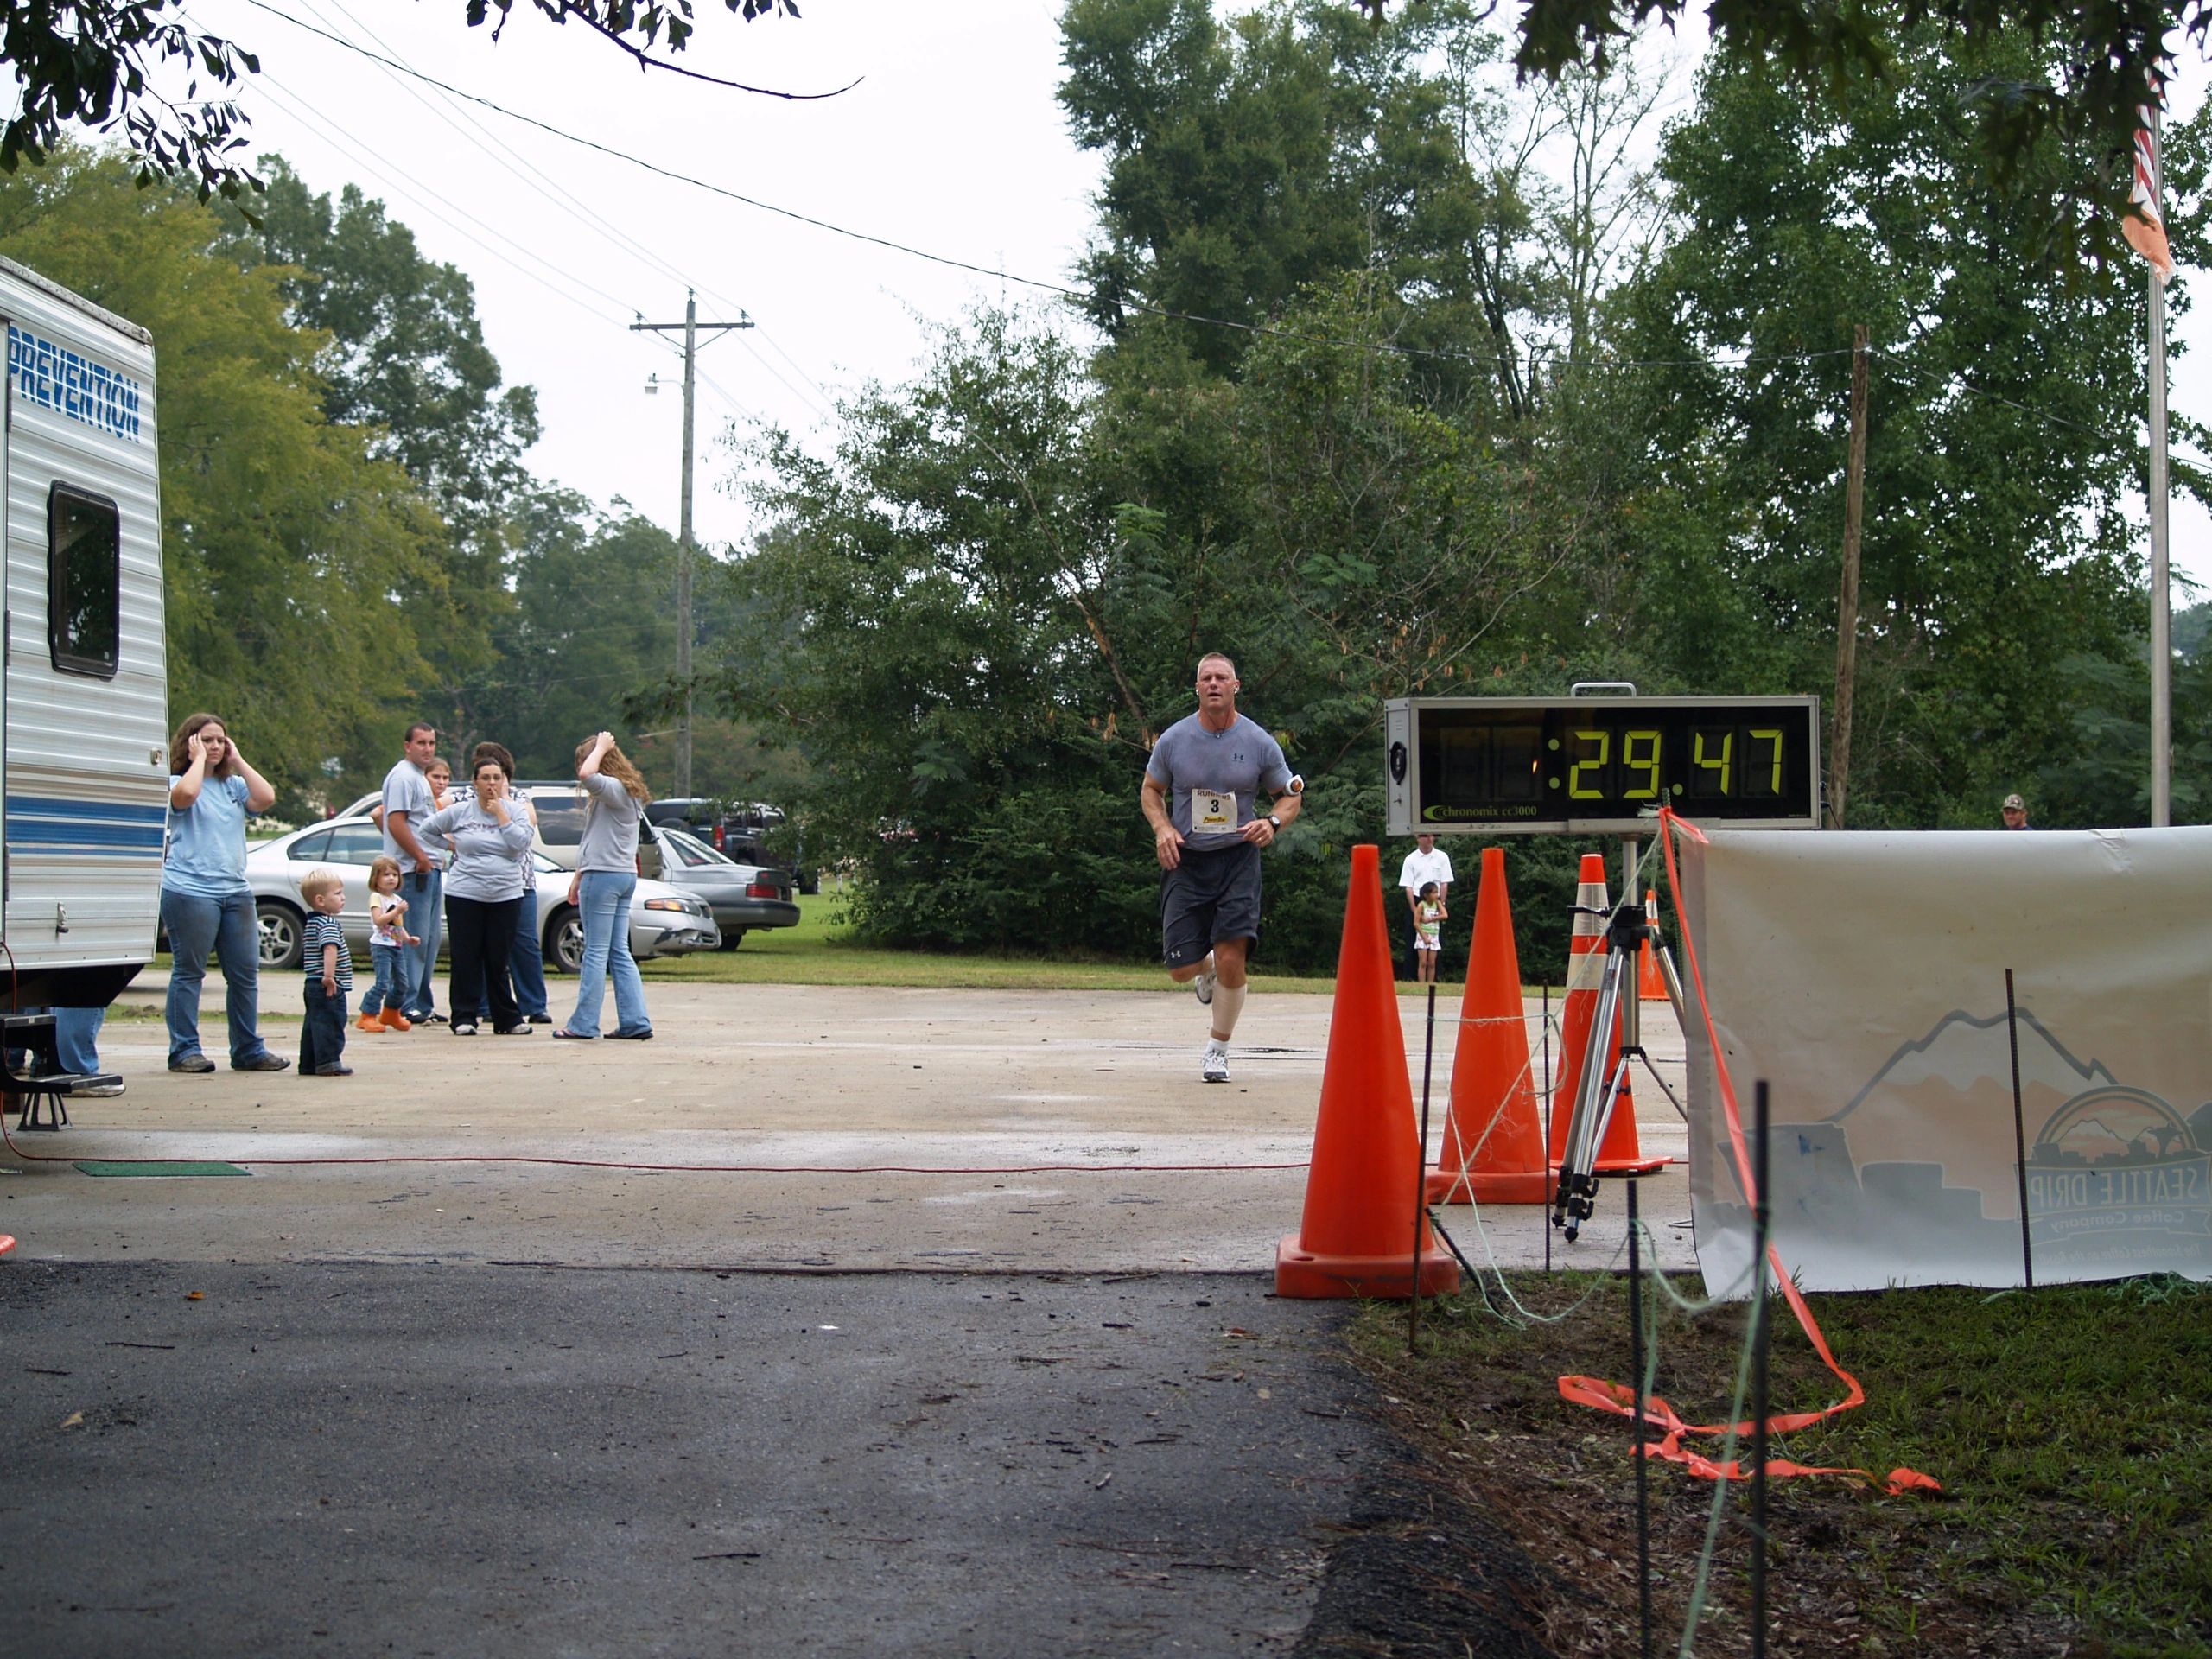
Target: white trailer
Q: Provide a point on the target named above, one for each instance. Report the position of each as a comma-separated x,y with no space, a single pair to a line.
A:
84,699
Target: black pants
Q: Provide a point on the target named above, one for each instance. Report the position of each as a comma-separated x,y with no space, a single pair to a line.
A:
482,935
322,1033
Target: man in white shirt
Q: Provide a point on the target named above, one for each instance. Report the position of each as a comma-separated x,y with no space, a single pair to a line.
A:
1422,866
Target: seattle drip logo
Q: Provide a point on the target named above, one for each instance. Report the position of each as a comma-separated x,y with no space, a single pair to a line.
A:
2117,1175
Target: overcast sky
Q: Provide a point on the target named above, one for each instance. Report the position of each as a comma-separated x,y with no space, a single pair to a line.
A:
951,143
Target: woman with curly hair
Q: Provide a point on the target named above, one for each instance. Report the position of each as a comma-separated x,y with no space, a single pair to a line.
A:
206,904
615,798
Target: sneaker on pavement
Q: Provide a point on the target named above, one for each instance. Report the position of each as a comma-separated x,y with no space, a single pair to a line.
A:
1215,1068
194,1063
433,1018
262,1062
334,1070
1204,982
98,1091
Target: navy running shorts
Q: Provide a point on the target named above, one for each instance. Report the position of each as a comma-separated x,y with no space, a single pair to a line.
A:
1209,896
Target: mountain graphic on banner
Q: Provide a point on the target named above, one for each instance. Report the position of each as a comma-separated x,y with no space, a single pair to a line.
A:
1966,1053
1946,1100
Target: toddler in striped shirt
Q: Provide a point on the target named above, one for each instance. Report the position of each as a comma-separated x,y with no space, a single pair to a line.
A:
329,966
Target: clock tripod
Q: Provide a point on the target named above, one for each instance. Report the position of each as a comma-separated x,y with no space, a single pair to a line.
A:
1614,1042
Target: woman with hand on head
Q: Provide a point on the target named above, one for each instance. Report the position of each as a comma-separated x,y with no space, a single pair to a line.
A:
206,904
484,891
606,877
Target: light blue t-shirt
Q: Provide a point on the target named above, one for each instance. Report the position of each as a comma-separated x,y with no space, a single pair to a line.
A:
206,851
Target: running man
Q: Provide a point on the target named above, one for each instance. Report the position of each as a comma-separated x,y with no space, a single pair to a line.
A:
1208,832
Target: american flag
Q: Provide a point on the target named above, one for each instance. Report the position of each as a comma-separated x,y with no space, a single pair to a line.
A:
2145,228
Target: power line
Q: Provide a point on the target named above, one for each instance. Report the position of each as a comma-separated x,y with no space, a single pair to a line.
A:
448,214
998,273
553,190
1067,291
514,161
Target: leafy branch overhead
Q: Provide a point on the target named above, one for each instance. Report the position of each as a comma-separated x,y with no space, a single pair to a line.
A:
2096,57
113,64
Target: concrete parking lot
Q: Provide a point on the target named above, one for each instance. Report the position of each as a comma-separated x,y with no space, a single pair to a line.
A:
764,1127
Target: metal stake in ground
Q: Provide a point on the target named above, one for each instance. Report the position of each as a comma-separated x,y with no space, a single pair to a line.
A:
1643,1476
1761,1214
1421,1175
2019,1136
1544,1035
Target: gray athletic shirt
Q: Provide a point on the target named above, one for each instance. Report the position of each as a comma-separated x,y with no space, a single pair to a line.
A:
406,789
1235,762
609,840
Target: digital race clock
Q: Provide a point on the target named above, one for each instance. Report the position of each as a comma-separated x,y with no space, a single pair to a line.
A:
1554,766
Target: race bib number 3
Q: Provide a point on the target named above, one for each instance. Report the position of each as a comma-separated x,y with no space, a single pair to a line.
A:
1212,812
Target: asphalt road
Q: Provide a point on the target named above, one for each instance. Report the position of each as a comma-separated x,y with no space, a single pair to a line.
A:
215,1458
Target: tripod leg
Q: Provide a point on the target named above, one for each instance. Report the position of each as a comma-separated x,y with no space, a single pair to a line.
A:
1578,1156
1649,1067
1673,984
1583,1203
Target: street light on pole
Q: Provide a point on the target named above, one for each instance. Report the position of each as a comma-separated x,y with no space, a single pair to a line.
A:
690,326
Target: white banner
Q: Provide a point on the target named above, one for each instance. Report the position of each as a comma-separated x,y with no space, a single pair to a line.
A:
1862,975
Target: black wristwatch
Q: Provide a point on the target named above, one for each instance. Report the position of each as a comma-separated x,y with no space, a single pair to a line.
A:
1274,822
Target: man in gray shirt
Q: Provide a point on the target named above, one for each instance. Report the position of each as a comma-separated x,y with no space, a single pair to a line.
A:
406,802
1200,795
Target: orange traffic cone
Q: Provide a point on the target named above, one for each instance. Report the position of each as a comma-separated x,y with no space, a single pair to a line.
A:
1619,1152
1494,1150
1651,986
1359,1234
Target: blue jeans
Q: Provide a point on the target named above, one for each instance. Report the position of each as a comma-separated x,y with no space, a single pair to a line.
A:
322,1028
76,1039
603,903
227,927
422,890
389,988
526,960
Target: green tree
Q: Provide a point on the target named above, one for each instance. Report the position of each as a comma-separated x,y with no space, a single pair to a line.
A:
405,364
284,538
590,629
919,622
2001,449
406,356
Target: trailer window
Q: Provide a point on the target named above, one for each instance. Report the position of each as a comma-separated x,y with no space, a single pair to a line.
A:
84,579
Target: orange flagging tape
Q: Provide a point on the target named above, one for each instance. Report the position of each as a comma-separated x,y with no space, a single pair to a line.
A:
1611,1396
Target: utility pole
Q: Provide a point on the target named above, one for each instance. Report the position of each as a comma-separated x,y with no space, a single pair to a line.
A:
690,326
1846,620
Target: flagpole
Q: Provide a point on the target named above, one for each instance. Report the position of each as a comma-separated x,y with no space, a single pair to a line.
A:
2161,650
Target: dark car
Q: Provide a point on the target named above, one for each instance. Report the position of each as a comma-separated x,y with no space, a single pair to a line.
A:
741,896
738,830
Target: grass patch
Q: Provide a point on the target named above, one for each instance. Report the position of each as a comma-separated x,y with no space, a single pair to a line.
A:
2067,1428
821,950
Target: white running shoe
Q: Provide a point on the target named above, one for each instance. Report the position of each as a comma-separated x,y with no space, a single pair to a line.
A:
1204,982
1215,1068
